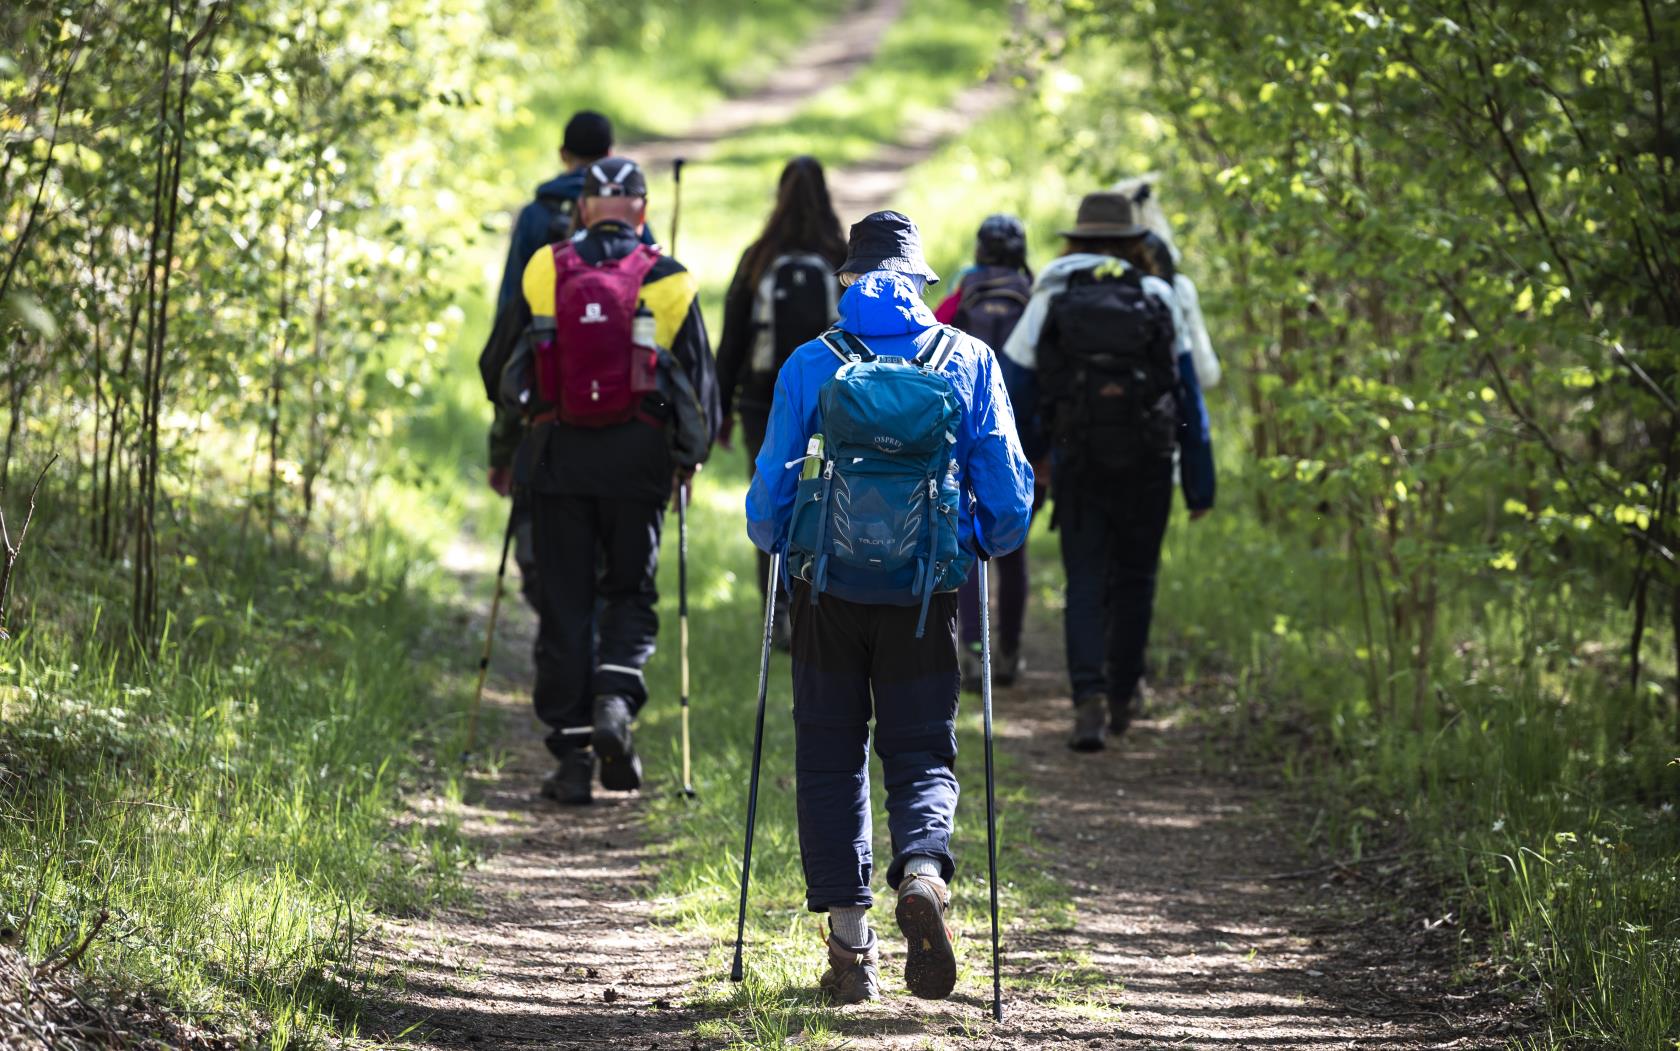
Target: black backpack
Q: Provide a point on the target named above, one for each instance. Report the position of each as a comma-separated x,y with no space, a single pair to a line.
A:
993,299
561,214
1108,374
797,300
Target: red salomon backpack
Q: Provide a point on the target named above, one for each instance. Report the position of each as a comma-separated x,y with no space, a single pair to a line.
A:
585,371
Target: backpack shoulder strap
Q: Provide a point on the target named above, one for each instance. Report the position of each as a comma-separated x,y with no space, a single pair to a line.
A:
846,346
936,352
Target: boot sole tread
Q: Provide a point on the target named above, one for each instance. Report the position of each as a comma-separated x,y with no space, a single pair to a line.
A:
930,965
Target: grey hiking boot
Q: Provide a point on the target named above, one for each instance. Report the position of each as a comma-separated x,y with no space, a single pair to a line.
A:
853,975
969,665
570,785
621,768
1090,718
930,963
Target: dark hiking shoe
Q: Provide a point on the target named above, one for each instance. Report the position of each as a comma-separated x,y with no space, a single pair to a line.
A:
1119,717
853,975
621,767
970,666
570,785
1009,668
1090,717
930,963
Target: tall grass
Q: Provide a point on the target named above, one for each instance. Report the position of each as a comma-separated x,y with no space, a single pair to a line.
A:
231,805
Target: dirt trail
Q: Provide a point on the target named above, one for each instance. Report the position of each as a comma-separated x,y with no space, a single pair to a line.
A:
832,55
558,947
1198,923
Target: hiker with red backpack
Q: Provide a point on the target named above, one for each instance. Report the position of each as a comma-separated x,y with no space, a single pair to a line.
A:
784,294
988,301
548,218
615,379
890,465
1106,373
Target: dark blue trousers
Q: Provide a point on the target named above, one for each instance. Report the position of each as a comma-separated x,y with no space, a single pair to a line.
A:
852,661
1111,552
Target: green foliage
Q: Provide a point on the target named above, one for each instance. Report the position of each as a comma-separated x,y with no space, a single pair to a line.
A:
1438,250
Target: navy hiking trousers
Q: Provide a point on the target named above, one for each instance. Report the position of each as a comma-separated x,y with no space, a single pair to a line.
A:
596,562
851,661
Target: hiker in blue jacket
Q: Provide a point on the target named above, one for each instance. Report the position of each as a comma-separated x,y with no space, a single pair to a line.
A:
1101,365
859,648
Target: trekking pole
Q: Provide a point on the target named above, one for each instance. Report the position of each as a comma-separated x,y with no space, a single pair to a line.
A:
991,796
736,972
676,199
682,623
489,639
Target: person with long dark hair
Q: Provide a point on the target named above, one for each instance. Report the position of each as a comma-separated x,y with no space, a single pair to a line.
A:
784,294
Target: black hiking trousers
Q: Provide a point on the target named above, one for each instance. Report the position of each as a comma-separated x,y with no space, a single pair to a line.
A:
1111,552
852,661
596,563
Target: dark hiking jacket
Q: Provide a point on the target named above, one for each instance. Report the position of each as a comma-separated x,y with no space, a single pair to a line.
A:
741,387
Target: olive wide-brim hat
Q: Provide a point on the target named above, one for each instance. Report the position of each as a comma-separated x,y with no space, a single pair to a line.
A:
886,241
1103,215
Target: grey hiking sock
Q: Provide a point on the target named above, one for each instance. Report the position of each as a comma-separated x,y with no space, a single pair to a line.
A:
922,865
850,924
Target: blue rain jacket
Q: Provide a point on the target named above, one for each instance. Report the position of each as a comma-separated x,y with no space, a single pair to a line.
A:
884,310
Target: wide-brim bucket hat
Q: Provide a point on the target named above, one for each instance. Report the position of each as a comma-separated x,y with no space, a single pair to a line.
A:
886,241
1104,215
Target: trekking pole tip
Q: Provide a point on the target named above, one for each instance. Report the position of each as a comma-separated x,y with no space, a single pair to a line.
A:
737,973
689,792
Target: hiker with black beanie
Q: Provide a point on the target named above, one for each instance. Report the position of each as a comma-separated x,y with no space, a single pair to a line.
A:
1106,372
889,466
784,293
615,379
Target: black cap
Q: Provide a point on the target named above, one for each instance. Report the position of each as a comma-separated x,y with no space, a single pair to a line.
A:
1002,241
614,177
886,241
588,134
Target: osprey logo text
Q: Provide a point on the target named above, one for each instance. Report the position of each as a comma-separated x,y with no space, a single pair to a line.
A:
887,443
593,314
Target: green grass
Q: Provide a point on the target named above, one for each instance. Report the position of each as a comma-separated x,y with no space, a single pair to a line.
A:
232,805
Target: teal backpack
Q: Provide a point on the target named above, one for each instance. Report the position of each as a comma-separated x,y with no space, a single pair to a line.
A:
886,497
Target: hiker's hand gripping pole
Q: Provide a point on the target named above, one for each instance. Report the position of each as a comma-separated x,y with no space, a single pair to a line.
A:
489,639
991,797
682,627
737,972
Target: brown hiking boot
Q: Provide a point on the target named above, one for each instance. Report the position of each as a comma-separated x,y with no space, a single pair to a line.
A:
1090,724
853,975
930,963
